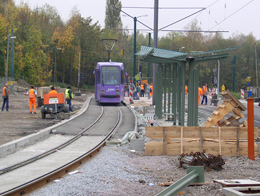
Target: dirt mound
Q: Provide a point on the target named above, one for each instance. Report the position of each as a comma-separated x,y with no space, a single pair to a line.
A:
24,84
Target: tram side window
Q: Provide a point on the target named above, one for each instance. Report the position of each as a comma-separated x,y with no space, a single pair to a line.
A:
122,77
98,76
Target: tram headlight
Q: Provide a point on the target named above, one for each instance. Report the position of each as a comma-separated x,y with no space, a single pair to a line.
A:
117,93
102,92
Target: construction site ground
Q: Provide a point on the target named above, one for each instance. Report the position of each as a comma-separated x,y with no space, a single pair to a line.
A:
18,122
144,173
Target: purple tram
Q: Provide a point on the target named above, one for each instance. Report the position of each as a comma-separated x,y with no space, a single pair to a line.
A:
109,82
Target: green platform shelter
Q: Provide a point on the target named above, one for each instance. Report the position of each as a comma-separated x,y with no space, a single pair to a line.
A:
170,81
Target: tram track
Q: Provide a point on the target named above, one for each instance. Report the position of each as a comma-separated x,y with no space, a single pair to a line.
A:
15,166
41,180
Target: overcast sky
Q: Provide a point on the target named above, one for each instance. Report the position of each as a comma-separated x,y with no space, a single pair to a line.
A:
235,16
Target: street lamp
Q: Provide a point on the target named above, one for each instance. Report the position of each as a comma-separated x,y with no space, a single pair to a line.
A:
181,48
8,40
55,67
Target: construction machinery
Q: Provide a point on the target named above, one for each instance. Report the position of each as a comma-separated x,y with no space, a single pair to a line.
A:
54,104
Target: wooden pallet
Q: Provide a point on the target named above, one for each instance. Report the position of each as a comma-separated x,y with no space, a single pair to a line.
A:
232,106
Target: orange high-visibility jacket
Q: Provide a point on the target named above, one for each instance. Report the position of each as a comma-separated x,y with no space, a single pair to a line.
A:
142,87
200,91
205,90
53,92
32,93
5,92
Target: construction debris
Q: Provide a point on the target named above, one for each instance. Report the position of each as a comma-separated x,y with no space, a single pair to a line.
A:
210,162
229,113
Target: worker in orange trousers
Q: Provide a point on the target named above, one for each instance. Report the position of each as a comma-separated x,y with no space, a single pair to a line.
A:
32,94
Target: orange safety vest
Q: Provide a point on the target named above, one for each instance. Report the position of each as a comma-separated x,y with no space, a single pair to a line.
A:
53,92
205,89
3,94
32,94
142,87
200,91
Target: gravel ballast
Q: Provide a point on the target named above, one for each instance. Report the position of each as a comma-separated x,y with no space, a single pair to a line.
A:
119,171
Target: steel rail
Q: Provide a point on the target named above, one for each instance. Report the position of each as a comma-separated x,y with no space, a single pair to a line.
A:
63,170
53,150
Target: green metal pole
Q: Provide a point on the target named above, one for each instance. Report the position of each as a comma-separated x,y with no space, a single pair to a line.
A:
134,71
196,106
169,88
234,75
195,174
174,90
158,95
191,96
149,64
182,118
179,95
164,87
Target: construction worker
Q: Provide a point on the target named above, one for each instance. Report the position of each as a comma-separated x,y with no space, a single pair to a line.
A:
186,90
223,87
151,91
32,94
200,93
204,93
69,96
53,91
5,94
142,90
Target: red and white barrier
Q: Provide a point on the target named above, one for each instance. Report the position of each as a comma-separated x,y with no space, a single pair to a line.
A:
242,94
131,95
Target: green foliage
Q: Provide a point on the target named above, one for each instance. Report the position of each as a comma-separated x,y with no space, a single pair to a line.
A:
113,19
40,31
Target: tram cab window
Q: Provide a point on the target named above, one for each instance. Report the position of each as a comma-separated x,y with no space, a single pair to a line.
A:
110,75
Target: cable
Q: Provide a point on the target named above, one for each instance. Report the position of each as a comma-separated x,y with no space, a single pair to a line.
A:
182,19
232,14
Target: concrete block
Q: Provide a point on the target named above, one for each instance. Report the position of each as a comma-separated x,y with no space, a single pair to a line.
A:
137,144
64,116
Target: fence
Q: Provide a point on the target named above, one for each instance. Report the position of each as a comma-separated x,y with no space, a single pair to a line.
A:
226,141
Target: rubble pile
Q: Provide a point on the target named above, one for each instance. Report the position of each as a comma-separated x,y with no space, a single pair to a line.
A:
210,162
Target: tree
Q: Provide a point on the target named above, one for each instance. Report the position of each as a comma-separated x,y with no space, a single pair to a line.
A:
113,19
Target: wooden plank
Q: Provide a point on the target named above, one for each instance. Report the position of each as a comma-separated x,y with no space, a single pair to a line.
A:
182,140
226,121
164,142
154,132
216,112
222,106
236,100
238,112
219,132
237,142
174,148
235,116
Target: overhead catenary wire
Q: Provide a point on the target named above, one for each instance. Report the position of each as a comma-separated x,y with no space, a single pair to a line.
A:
233,14
182,19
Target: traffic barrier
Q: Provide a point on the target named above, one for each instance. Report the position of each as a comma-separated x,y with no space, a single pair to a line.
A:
131,95
242,94
126,94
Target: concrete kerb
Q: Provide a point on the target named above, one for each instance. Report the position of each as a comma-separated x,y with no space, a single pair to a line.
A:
13,146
